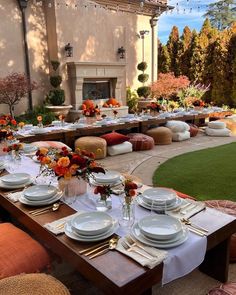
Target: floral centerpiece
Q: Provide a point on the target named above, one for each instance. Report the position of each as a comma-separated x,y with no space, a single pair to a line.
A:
154,106
15,149
7,125
111,103
89,109
104,202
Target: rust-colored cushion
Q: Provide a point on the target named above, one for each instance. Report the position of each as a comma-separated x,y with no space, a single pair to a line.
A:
228,207
141,142
19,253
184,196
35,284
224,289
114,138
193,130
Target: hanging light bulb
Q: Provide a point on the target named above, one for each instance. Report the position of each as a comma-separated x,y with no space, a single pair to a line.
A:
141,4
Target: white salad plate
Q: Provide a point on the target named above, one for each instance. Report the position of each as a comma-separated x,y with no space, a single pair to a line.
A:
91,223
41,191
29,148
174,205
49,201
15,178
112,184
109,176
136,233
160,227
158,195
75,236
11,186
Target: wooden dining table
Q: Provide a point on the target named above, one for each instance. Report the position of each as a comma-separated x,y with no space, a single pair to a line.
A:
115,273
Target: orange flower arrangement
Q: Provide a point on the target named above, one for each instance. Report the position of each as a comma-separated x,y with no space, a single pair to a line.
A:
40,119
89,109
111,103
68,164
7,123
130,190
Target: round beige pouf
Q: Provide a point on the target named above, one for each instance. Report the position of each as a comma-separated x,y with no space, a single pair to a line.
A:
93,144
161,135
32,284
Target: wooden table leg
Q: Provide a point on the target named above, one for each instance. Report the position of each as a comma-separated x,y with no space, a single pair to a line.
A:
216,262
147,292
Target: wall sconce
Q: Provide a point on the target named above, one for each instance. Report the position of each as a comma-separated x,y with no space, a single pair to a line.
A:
69,50
121,52
143,33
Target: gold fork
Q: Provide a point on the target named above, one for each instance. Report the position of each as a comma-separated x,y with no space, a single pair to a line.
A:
132,243
130,248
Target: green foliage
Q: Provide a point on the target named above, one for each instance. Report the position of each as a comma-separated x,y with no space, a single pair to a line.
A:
143,78
30,117
222,13
142,66
55,81
132,100
164,62
144,91
55,64
56,97
173,48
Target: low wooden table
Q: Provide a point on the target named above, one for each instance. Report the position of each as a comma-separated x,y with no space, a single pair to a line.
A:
113,272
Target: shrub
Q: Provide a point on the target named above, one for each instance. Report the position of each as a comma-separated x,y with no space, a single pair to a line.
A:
131,100
142,66
30,117
144,91
55,81
143,78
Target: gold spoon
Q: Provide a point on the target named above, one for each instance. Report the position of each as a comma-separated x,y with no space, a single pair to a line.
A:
53,208
112,246
111,241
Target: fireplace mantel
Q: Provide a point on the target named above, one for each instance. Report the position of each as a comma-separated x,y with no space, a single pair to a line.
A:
78,71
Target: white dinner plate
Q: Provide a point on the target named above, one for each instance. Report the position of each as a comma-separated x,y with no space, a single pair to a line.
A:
160,227
158,194
75,236
136,233
172,206
93,182
110,176
15,178
7,186
91,223
53,199
41,191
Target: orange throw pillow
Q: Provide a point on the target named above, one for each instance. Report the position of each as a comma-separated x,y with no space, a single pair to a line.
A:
19,253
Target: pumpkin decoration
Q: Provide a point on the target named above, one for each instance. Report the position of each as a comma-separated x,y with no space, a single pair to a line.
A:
111,102
88,108
87,104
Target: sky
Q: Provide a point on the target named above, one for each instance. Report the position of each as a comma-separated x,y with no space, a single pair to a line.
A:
186,13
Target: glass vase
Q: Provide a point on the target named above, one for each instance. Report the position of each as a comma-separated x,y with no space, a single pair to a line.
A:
103,203
127,217
72,188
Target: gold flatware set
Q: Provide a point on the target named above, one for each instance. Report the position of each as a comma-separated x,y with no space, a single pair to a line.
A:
51,208
199,230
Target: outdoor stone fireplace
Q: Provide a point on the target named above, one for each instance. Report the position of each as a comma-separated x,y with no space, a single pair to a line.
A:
97,81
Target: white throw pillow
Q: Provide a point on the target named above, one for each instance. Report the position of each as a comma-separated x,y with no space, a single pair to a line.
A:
118,149
217,125
180,136
217,132
177,126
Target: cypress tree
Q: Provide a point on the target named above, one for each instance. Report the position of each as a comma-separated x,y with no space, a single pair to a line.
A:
164,62
232,65
173,47
185,51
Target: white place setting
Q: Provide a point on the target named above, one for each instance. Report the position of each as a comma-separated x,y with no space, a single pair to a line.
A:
39,195
112,178
15,180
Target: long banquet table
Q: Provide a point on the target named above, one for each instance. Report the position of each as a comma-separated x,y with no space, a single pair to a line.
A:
113,272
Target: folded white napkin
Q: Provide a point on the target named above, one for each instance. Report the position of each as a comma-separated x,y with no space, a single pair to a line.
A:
57,226
158,255
14,197
189,211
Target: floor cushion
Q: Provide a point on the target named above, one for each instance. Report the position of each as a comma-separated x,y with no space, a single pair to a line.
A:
180,136
217,125
161,135
217,132
19,253
177,126
93,144
141,142
228,207
193,130
224,289
114,138
37,284
50,144
118,149
230,124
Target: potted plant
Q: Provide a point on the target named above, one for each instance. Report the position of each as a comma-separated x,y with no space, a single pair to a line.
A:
56,96
143,91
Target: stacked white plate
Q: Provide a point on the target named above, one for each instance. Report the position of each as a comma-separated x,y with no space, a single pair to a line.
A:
29,148
91,227
154,198
160,231
110,177
38,130
39,195
15,180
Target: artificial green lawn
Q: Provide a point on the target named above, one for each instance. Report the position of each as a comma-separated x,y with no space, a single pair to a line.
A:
206,174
